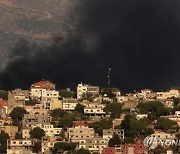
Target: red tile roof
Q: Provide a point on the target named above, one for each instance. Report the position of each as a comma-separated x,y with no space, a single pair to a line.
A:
3,102
43,84
81,123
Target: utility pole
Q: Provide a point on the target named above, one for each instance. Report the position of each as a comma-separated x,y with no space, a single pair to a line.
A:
109,77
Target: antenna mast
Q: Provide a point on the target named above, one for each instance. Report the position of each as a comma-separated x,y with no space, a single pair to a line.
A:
109,77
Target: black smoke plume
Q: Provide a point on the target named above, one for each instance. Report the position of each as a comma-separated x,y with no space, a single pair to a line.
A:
138,39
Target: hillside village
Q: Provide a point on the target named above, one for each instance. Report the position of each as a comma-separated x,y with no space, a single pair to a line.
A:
89,120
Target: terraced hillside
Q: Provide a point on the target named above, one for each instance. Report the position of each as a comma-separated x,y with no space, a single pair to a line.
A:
35,20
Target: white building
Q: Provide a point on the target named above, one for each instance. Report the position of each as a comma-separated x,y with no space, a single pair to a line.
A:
168,94
95,144
69,104
48,128
94,109
47,143
45,92
141,116
79,131
84,89
108,133
20,146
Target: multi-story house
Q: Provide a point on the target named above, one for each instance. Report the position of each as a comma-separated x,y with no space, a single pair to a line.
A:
108,133
133,149
95,144
45,92
84,89
69,104
10,130
20,146
34,120
112,150
80,130
94,109
3,108
5,121
48,128
168,94
47,143
16,98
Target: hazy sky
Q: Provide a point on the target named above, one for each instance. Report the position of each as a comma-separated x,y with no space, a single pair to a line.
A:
138,39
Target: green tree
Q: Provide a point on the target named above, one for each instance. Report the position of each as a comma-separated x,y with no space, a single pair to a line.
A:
159,150
79,108
3,142
18,135
108,92
57,113
87,96
176,101
37,133
65,122
18,113
153,107
83,151
62,133
100,125
126,122
37,147
114,108
31,102
66,93
166,124
129,140
114,141
61,147
4,94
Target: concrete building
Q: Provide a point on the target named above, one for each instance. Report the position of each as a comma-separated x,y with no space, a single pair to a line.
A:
48,128
128,105
80,130
3,108
108,133
85,88
16,98
168,94
116,122
35,120
10,130
95,144
69,104
44,91
141,116
20,146
56,104
94,109
133,149
112,150
47,143
5,121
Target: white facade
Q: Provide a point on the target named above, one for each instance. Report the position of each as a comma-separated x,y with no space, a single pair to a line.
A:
80,132
141,116
45,96
51,131
84,88
169,94
47,143
95,144
94,109
69,104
